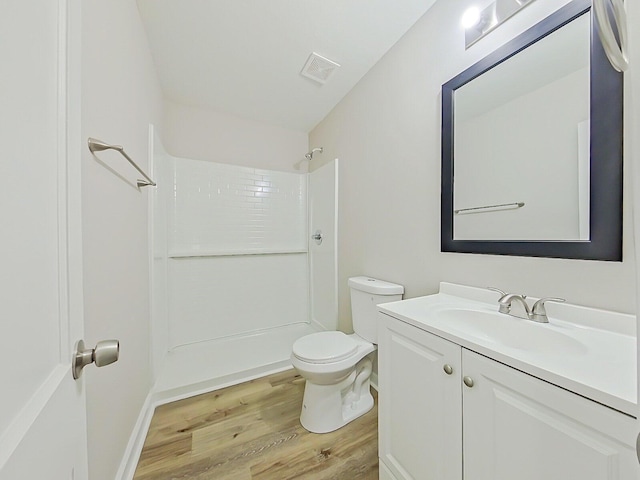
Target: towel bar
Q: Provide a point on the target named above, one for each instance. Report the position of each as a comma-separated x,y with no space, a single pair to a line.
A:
96,145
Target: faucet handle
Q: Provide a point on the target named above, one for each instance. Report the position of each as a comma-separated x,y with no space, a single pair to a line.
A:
538,310
503,307
502,293
538,307
494,289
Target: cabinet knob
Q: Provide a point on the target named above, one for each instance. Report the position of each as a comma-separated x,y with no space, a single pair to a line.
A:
468,381
448,369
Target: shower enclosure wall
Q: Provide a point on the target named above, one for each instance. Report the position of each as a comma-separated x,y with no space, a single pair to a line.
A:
233,270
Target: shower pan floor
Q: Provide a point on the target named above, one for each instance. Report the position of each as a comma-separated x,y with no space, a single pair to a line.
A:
205,366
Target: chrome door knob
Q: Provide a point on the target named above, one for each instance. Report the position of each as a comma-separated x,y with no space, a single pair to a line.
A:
448,369
317,236
468,381
105,353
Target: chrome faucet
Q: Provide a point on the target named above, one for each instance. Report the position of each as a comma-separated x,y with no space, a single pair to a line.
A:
507,298
538,313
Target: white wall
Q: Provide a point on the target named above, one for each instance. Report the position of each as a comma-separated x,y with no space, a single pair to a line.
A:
120,97
386,133
203,134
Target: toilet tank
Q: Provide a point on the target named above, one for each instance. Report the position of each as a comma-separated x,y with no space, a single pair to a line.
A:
366,294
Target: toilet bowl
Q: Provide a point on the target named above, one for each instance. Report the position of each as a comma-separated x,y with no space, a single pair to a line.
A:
331,363
336,366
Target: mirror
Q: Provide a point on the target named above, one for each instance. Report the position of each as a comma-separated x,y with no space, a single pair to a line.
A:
532,147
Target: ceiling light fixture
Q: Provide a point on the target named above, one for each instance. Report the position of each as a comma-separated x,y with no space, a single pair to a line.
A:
478,23
471,17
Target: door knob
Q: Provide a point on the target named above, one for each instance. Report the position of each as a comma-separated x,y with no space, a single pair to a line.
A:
105,353
468,381
317,236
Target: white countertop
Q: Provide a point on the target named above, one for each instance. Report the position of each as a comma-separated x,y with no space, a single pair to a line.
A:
599,363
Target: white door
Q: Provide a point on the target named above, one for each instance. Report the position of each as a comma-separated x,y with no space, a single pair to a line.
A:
42,409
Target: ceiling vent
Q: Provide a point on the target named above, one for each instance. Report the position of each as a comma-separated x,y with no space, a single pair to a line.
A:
319,68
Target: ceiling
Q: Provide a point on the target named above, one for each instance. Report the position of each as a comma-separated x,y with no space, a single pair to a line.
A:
244,57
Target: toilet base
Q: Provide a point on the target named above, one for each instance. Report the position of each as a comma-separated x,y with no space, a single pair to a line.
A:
326,408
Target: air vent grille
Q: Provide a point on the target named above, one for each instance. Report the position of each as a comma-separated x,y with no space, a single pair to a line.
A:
319,68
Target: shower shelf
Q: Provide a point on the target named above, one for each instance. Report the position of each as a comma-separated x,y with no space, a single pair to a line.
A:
231,253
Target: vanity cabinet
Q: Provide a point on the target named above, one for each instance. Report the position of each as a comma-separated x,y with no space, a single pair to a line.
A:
419,404
505,423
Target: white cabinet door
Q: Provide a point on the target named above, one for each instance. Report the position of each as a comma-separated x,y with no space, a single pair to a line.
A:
519,427
420,409
42,410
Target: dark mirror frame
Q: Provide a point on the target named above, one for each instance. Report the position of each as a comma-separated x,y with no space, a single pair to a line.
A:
606,100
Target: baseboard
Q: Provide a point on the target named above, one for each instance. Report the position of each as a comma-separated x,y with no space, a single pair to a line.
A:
374,381
136,440
385,473
180,393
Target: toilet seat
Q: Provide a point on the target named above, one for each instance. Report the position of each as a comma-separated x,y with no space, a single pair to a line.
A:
324,347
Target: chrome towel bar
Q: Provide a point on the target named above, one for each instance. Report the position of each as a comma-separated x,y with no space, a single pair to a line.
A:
513,205
96,145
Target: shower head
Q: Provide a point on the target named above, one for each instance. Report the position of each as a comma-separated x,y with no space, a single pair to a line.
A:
309,156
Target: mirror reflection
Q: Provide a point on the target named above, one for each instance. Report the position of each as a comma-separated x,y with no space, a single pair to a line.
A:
519,161
521,143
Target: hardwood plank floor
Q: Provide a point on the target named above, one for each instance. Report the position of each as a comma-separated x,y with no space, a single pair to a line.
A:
252,431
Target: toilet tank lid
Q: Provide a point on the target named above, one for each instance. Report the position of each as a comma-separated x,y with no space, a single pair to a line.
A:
374,286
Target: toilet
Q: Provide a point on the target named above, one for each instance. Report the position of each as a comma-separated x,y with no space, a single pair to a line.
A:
337,366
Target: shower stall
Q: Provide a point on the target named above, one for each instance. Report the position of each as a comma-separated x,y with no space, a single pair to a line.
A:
236,276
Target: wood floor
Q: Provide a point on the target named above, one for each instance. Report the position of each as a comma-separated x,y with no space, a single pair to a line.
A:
252,431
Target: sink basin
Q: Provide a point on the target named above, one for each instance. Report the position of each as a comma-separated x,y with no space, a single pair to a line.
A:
511,331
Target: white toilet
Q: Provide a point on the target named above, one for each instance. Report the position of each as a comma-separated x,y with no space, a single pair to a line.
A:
337,366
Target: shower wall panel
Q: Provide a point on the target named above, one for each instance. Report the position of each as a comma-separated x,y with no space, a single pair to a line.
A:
323,208
236,251
220,208
162,173
215,297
